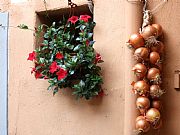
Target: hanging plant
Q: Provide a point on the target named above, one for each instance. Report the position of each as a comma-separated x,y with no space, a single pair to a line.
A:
66,57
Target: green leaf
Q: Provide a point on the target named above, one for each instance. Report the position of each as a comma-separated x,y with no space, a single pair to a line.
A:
82,27
41,60
81,84
38,67
67,64
55,90
78,39
74,59
45,42
69,46
22,26
90,35
90,65
71,72
53,24
50,87
46,35
77,47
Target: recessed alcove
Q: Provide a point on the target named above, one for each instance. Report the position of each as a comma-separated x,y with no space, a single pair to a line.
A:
55,15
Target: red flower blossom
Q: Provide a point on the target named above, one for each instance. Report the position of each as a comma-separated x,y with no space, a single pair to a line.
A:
101,93
53,67
73,19
98,58
85,18
46,78
59,56
87,42
32,56
38,75
62,73
33,70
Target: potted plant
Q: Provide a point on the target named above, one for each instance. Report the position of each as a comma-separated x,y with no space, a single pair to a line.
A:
66,57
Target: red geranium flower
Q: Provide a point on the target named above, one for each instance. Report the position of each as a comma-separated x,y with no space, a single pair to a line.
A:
53,67
73,19
98,58
38,75
62,73
85,18
59,56
32,56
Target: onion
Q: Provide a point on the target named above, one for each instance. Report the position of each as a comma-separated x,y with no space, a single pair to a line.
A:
157,125
136,41
157,104
158,28
153,115
154,58
141,88
140,70
155,91
142,125
149,31
159,47
141,54
142,103
140,118
154,75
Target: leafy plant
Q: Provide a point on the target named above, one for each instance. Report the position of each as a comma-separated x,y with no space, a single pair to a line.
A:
66,57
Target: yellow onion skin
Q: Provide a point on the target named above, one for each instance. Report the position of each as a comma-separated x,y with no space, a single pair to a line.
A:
154,58
140,70
155,91
159,47
140,117
141,54
142,103
136,41
149,31
142,125
141,88
158,28
156,104
153,115
154,75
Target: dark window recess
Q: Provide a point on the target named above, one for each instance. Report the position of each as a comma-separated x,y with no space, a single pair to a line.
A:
50,16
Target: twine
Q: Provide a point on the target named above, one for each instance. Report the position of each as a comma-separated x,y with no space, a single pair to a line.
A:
159,6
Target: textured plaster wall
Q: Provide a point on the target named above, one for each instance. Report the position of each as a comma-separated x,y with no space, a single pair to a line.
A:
34,111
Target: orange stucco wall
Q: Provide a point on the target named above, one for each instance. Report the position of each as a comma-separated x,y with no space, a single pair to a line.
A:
32,110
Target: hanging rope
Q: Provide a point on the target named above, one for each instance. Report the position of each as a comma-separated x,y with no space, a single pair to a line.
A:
147,15
90,5
71,4
159,6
